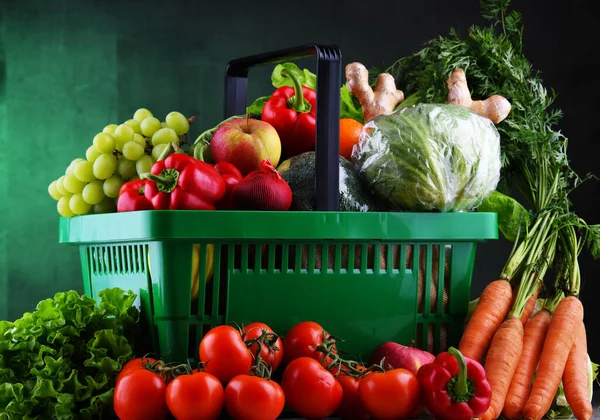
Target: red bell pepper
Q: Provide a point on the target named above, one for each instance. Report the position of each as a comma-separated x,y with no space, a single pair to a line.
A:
132,198
454,387
181,182
292,112
232,176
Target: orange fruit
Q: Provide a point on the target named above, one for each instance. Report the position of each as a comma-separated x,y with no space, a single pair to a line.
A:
349,134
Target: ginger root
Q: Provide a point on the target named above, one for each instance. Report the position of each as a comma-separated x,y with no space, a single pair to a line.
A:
496,107
376,102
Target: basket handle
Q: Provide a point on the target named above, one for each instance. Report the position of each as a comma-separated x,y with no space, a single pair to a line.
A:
329,64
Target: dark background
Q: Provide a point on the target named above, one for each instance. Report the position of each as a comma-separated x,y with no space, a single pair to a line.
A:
69,67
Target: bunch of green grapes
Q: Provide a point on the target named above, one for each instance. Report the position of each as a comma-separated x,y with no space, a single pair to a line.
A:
118,154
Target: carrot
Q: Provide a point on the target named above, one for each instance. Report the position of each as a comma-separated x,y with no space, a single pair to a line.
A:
575,377
501,362
530,305
559,340
534,333
493,306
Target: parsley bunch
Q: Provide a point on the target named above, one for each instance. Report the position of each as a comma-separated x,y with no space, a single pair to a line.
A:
493,60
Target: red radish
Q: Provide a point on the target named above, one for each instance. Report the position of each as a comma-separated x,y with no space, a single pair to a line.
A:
263,189
399,356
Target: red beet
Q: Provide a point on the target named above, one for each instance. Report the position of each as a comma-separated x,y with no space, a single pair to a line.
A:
263,189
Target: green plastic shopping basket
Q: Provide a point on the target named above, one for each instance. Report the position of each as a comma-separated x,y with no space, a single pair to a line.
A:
366,277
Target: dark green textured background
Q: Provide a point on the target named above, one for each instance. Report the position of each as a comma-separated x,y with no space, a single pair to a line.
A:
69,67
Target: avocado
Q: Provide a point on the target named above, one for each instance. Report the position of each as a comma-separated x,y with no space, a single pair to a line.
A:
299,173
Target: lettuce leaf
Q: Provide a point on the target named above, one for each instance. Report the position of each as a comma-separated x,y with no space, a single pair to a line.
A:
61,360
512,216
350,106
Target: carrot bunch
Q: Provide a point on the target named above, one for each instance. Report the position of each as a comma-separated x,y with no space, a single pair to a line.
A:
526,357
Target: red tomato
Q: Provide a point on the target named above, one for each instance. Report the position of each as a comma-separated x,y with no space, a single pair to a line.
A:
310,390
302,341
252,398
351,408
140,395
254,330
135,364
224,353
390,395
198,396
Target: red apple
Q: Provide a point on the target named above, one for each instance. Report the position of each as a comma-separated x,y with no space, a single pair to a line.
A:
399,356
245,143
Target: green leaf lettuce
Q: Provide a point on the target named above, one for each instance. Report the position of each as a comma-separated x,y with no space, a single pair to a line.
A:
61,360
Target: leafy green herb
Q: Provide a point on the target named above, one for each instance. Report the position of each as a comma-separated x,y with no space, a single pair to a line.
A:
534,151
512,216
493,60
61,360
593,240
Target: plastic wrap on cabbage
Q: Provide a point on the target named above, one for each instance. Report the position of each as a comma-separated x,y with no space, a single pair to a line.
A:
430,157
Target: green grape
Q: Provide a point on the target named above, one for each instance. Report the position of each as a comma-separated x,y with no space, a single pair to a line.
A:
104,143
108,205
71,167
105,166
72,184
150,126
60,187
141,114
135,125
124,134
164,125
93,193
178,123
53,191
84,171
78,205
63,206
112,186
144,165
110,129
92,154
157,151
165,136
119,146
133,151
139,139
126,168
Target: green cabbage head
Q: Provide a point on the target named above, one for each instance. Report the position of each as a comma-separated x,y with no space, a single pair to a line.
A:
430,157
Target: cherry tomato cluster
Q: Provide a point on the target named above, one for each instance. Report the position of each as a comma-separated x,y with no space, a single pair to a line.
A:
235,376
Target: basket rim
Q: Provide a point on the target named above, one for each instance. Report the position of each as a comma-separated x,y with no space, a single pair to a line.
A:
246,226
